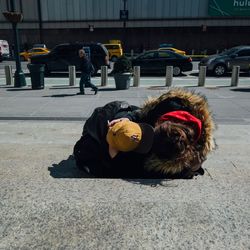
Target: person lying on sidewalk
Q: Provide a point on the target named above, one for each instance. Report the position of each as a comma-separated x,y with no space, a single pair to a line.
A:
183,136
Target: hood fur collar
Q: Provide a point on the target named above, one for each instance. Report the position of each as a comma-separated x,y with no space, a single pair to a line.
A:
198,105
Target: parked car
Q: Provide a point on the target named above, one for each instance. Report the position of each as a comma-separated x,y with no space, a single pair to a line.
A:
32,52
155,61
222,63
181,52
4,50
115,51
66,54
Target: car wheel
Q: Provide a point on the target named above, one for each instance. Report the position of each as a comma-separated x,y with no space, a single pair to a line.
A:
176,71
114,58
219,70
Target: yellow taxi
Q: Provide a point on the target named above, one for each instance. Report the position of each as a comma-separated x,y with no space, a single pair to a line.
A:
115,50
181,52
32,52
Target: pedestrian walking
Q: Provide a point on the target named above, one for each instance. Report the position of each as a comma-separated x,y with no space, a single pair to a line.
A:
86,69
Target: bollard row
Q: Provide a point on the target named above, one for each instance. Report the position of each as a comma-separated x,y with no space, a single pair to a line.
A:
136,76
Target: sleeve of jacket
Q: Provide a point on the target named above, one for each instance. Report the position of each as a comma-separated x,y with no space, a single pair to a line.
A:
96,125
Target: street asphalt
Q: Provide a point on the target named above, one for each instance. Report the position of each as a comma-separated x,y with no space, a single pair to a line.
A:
46,203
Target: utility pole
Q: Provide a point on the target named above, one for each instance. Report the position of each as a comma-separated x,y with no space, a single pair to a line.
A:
124,18
39,8
16,17
124,9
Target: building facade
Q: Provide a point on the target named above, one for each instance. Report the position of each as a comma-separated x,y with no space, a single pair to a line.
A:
140,24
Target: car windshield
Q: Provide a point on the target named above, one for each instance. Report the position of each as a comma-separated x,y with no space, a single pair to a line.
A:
230,51
104,48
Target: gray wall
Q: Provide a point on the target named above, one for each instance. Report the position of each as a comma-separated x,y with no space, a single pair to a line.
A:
68,10
150,23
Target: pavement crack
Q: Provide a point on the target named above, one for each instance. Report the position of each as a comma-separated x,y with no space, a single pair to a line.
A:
233,164
209,174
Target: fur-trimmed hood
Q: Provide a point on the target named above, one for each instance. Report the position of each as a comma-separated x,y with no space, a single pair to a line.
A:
197,105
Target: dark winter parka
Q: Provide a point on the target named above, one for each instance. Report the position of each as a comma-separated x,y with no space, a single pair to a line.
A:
132,165
85,65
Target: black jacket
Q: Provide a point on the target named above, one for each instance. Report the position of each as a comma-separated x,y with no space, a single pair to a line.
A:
85,65
91,150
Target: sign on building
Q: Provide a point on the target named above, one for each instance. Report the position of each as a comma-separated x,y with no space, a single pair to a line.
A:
229,8
124,15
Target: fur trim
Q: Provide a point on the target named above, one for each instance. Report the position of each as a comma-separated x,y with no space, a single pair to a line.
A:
198,105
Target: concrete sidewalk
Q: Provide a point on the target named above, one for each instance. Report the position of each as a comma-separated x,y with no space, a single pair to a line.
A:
46,203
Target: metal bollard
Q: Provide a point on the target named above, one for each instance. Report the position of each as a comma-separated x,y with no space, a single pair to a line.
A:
192,53
202,76
132,54
169,76
235,76
8,75
72,75
104,75
136,78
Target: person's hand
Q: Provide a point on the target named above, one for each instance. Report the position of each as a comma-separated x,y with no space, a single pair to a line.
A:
113,122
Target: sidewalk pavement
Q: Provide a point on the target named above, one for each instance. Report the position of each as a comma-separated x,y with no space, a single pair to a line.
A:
46,203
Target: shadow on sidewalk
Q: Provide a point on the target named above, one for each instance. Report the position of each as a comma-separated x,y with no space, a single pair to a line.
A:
22,89
6,86
153,182
59,95
67,169
241,89
64,87
107,89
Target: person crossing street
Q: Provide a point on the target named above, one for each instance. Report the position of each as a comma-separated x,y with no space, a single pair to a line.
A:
86,68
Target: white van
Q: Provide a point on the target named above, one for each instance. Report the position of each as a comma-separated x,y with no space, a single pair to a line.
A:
4,50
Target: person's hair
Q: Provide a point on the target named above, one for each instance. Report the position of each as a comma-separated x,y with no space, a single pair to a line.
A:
81,51
173,140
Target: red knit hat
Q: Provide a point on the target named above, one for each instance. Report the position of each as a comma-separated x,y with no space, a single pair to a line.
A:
183,116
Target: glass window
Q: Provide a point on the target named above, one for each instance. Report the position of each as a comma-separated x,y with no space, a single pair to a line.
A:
148,55
104,49
96,49
60,50
165,54
244,52
112,46
37,50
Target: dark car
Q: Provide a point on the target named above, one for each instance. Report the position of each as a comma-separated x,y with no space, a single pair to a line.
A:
66,54
222,63
155,61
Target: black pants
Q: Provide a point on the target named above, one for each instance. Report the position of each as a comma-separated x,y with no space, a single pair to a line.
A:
85,82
